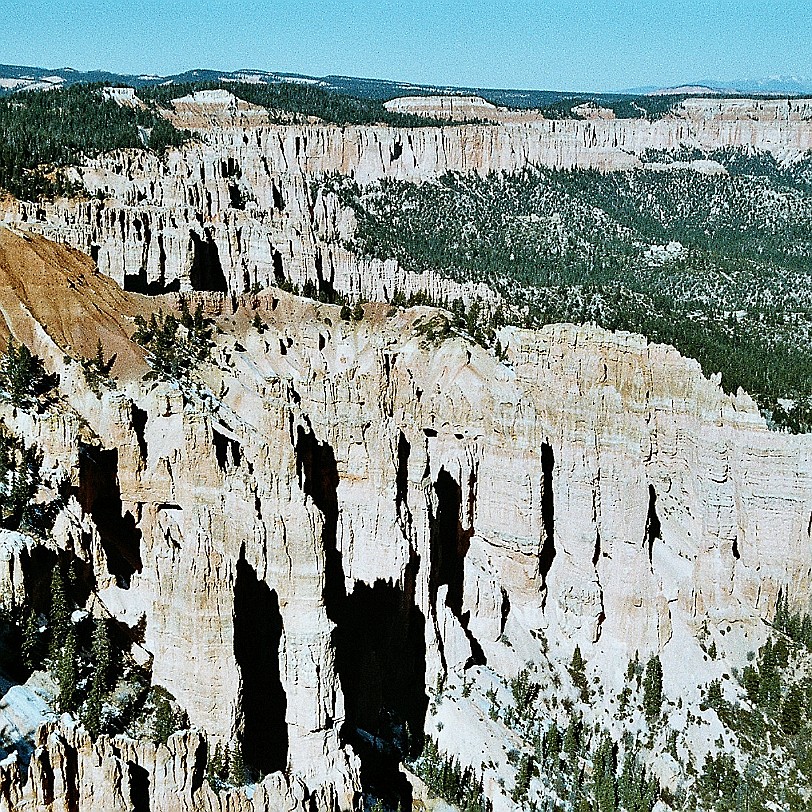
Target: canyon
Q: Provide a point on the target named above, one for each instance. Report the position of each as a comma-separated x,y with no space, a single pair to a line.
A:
235,208
337,515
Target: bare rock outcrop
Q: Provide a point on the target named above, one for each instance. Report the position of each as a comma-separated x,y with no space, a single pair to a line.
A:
592,489
234,210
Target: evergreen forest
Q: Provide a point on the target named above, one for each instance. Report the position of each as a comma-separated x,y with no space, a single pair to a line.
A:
43,133
717,265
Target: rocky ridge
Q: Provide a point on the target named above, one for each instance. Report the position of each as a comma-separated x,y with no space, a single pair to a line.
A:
589,488
323,470
234,210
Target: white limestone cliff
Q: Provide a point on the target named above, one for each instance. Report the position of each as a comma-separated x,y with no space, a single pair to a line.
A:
593,489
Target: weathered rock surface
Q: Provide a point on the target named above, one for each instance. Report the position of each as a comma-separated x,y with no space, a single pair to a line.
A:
594,489
460,108
234,209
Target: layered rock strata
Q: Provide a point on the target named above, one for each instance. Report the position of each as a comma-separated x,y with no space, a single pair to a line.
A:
593,489
235,210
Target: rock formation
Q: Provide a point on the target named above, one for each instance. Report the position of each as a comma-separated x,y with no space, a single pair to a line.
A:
234,210
338,515
592,489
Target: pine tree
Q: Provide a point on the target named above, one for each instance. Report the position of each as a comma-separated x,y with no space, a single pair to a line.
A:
578,673
792,711
30,641
67,674
572,739
524,775
165,724
236,766
637,791
100,656
24,484
604,766
214,769
21,373
91,714
653,688
60,621
751,682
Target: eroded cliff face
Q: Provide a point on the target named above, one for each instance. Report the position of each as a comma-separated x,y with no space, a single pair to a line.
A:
340,512
234,209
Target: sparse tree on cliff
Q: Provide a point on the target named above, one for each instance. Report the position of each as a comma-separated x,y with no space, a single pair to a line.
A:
236,767
31,642
22,374
98,685
67,673
60,621
653,688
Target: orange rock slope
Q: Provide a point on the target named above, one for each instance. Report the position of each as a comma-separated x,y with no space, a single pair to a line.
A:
54,299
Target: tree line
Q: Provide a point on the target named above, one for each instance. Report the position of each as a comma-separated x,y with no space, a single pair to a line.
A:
42,133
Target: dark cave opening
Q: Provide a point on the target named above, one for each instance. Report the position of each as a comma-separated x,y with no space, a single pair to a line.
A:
199,770
229,168
37,564
379,644
318,476
71,788
505,611
381,662
139,787
226,451
653,526
547,553
327,292
450,543
236,200
402,474
99,495
449,546
139,419
278,200
278,269
263,702
206,272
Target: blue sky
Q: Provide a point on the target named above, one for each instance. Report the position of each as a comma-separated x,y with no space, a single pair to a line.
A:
570,44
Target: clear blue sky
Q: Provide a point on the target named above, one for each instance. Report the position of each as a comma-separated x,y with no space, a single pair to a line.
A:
570,44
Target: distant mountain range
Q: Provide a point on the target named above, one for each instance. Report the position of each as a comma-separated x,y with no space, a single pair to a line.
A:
772,86
790,85
15,77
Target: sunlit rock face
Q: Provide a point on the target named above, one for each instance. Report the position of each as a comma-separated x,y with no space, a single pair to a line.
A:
235,209
341,513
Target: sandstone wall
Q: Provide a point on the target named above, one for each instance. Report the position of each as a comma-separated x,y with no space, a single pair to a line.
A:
593,489
233,210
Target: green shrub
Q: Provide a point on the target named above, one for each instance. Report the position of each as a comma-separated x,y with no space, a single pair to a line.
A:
175,346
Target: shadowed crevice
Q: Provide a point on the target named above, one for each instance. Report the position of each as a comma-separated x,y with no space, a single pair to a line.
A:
206,272
378,641
548,552
99,495
653,526
139,787
263,702
450,543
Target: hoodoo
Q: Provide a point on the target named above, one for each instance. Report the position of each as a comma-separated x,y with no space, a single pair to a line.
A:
296,513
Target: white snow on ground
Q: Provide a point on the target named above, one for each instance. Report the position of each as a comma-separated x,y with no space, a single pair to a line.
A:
23,708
